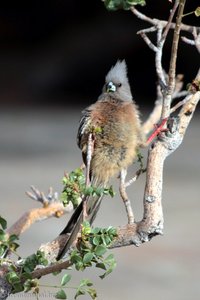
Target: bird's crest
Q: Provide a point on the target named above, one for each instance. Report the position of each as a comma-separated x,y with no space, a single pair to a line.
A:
118,73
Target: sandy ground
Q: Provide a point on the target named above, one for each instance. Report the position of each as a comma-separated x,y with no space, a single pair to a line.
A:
36,146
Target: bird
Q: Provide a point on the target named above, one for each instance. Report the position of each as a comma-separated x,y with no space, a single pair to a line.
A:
112,128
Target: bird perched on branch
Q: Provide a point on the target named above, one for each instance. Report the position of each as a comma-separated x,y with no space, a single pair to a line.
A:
108,136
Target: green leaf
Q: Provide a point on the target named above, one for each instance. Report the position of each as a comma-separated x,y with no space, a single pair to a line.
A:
75,257
89,191
112,231
85,282
13,278
135,2
29,284
79,293
18,287
13,246
113,5
92,293
13,238
96,240
101,266
197,11
86,229
64,180
88,257
100,250
3,236
111,191
109,264
109,270
96,230
79,266
109,258
61,295
3,248
27,270
65,279
107,240
3,223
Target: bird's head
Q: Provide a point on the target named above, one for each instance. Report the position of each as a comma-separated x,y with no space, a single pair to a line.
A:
116,82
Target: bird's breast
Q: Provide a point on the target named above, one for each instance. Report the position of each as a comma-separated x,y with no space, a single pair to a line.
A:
116,143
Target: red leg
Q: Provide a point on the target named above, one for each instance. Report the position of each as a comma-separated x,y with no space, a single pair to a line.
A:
159,128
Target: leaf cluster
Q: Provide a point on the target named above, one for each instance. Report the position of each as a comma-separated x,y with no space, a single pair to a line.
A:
20,276
113,5
74,185
75,188
92,247
98,191
85,287
7,242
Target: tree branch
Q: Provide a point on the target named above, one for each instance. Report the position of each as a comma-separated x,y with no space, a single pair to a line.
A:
172,67
163,23
52,207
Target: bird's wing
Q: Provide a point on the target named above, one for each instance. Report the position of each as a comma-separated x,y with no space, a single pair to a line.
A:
83,125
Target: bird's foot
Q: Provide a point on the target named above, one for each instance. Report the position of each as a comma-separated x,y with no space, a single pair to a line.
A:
158,129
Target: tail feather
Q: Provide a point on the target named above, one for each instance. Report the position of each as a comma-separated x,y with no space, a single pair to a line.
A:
74,225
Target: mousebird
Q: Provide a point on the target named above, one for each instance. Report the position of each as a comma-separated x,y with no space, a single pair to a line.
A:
111,127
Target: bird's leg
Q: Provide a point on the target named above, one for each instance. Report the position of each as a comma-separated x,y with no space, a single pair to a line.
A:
90,149
135,177
127,203
159,128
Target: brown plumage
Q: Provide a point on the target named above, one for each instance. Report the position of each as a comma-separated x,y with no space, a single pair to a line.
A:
114,119
114,123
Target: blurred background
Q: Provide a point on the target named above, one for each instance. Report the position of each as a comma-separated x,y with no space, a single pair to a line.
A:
53,59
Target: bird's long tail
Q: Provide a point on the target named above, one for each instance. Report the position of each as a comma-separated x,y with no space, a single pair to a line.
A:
74,225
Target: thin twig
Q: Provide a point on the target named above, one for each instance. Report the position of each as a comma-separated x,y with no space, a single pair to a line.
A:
148,41
163,23
125,198
188,41
179,104
169,22
172,67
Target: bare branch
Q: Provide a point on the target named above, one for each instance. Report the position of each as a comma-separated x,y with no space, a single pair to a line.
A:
147,41
172,67
52,207
125,198
163,23
187,112
188,41
171,16
179,104
51,269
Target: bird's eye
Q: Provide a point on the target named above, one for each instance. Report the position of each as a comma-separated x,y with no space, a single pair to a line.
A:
119,84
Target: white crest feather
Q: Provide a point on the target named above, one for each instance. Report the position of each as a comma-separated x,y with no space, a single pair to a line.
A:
118,73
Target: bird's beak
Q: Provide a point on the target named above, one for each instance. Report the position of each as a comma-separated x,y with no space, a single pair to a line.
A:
110,87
